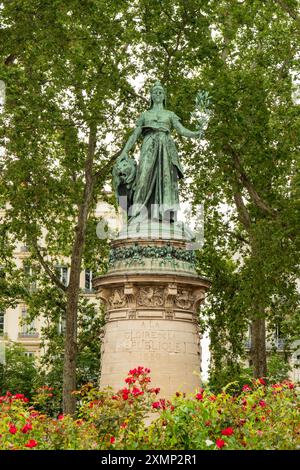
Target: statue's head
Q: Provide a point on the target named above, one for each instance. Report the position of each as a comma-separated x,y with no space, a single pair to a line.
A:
157,94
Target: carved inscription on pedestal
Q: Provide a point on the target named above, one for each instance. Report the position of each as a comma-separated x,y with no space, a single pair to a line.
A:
152,341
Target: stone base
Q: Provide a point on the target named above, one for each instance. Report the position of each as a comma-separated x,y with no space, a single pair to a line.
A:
169,348
152,315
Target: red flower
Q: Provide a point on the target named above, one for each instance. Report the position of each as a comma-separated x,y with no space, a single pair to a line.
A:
199,396
139,371
154,390
246,388
12,429
130,380
212,398
220,443
145,380
276,386
60,417
163,403
262,381
31,443
156,405
26,428
227,432
136,392
262,403
112,440
123,425
291,385
19,396
125,393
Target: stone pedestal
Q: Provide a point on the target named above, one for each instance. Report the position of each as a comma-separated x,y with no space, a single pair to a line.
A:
152,295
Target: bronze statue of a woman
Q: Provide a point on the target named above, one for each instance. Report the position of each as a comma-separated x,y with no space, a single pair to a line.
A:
153,187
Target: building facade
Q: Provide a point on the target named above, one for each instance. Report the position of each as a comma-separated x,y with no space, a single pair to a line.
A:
13,324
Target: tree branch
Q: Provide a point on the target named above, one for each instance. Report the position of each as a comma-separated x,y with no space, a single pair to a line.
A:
243,214
46,267
107,167
10,59
289,10
258,201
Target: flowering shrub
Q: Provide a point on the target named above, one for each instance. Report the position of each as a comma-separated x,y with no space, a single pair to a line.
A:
117,417
261,416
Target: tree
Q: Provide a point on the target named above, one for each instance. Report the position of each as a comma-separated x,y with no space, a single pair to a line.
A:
65,70
252,152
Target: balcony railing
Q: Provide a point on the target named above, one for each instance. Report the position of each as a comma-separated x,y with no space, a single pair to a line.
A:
278,343
33,334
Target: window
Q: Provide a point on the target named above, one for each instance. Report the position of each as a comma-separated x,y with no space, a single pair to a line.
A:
27,329
62,324
29,274
62,273
88,280
1,323
28,353
279,338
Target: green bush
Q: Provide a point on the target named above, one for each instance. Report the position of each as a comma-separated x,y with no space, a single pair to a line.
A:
19,373
278,368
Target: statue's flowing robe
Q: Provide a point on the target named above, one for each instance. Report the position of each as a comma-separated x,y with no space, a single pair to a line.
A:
156,184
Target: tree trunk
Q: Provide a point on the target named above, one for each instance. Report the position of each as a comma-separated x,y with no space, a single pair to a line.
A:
258,347
258,327
70,356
